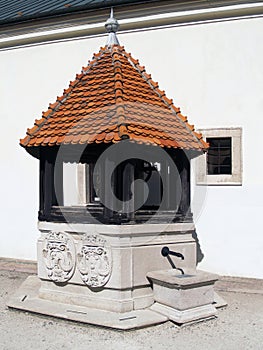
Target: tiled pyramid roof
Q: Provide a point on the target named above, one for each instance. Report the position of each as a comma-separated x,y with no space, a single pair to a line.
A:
112,99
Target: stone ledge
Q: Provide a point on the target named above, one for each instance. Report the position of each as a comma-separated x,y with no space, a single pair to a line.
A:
9,264
239,285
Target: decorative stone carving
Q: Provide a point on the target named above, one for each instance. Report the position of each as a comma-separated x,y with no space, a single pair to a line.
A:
94,261
59,256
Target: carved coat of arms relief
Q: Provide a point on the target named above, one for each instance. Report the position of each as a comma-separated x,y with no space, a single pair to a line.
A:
94,261
59,256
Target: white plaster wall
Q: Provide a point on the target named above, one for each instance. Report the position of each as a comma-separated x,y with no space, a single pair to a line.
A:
213,71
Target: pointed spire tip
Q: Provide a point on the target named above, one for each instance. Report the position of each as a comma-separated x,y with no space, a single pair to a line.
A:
112,26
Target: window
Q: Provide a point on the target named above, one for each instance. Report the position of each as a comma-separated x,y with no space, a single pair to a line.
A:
219,159
222,164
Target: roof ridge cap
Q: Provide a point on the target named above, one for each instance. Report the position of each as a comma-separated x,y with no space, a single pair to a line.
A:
118,88
94,59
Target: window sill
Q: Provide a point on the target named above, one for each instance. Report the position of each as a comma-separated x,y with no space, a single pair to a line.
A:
221,180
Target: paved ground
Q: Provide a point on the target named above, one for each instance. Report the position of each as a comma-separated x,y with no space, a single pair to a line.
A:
239,326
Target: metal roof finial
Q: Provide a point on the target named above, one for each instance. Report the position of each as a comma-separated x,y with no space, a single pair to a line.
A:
112,27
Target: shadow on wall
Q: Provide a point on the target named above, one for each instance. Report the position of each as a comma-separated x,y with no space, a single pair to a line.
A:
199,253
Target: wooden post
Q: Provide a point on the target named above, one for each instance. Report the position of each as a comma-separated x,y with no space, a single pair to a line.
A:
183,165
128,190
108,199
58,182
166,185
41,185
47,191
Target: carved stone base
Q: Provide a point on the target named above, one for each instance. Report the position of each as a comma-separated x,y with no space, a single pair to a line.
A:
105,266
27,298
98,274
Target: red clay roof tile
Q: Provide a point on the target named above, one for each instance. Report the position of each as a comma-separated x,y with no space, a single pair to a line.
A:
113,98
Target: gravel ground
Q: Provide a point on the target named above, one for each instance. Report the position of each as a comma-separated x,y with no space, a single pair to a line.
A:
238,326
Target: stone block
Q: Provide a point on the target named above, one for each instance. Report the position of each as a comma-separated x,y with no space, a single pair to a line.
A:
183,297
